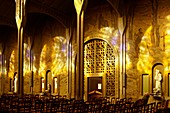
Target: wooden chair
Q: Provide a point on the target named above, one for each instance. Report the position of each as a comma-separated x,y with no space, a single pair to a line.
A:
38,106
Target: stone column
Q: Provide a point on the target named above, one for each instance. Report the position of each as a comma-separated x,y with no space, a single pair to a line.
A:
31,65
121,27
20,20
69,60
80,6
3,69
70,69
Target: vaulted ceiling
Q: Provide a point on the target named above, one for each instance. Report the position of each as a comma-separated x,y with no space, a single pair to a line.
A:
39,10
57,8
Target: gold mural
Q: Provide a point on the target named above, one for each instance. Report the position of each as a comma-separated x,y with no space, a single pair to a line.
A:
144,64
59,56
166,36
42,67
148,53
53,57
12,62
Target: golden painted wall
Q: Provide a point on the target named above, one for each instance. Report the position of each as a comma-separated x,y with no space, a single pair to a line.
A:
26,68
13,64
147,39
51,34
148,45
102,23
53,57
144,48
49,52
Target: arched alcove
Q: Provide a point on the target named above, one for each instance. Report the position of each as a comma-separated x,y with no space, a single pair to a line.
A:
160,68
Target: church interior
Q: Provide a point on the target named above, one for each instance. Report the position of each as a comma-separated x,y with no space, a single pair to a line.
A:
109,54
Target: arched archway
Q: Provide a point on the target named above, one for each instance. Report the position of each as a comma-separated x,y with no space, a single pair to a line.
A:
47,78
15,80
160,67
100,62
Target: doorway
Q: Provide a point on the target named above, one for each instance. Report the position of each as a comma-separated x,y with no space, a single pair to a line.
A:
94,87
101,60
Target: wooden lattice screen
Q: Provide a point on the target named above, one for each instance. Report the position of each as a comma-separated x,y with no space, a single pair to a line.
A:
99,58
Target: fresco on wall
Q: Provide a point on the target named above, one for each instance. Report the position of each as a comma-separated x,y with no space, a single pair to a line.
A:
42,67
102,19
138,38
166,37
148,52
59,56
12,63
145,59
53,57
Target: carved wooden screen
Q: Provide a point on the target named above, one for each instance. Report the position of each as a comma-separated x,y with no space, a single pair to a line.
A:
110,75
99,58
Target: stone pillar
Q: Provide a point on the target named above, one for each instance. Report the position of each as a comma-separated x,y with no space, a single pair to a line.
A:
69,60
79,6
70,70
20,20
31,65
121,27
3,69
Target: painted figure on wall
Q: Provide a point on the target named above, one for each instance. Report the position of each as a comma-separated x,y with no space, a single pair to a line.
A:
158,36
158,80
102,22
138,38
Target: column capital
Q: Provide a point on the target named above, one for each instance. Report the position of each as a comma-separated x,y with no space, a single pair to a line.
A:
20,12
80,5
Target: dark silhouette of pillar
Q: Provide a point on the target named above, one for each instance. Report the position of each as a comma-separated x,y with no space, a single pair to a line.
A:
20,20
80,6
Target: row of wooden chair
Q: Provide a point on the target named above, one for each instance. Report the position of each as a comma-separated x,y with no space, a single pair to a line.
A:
59,104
